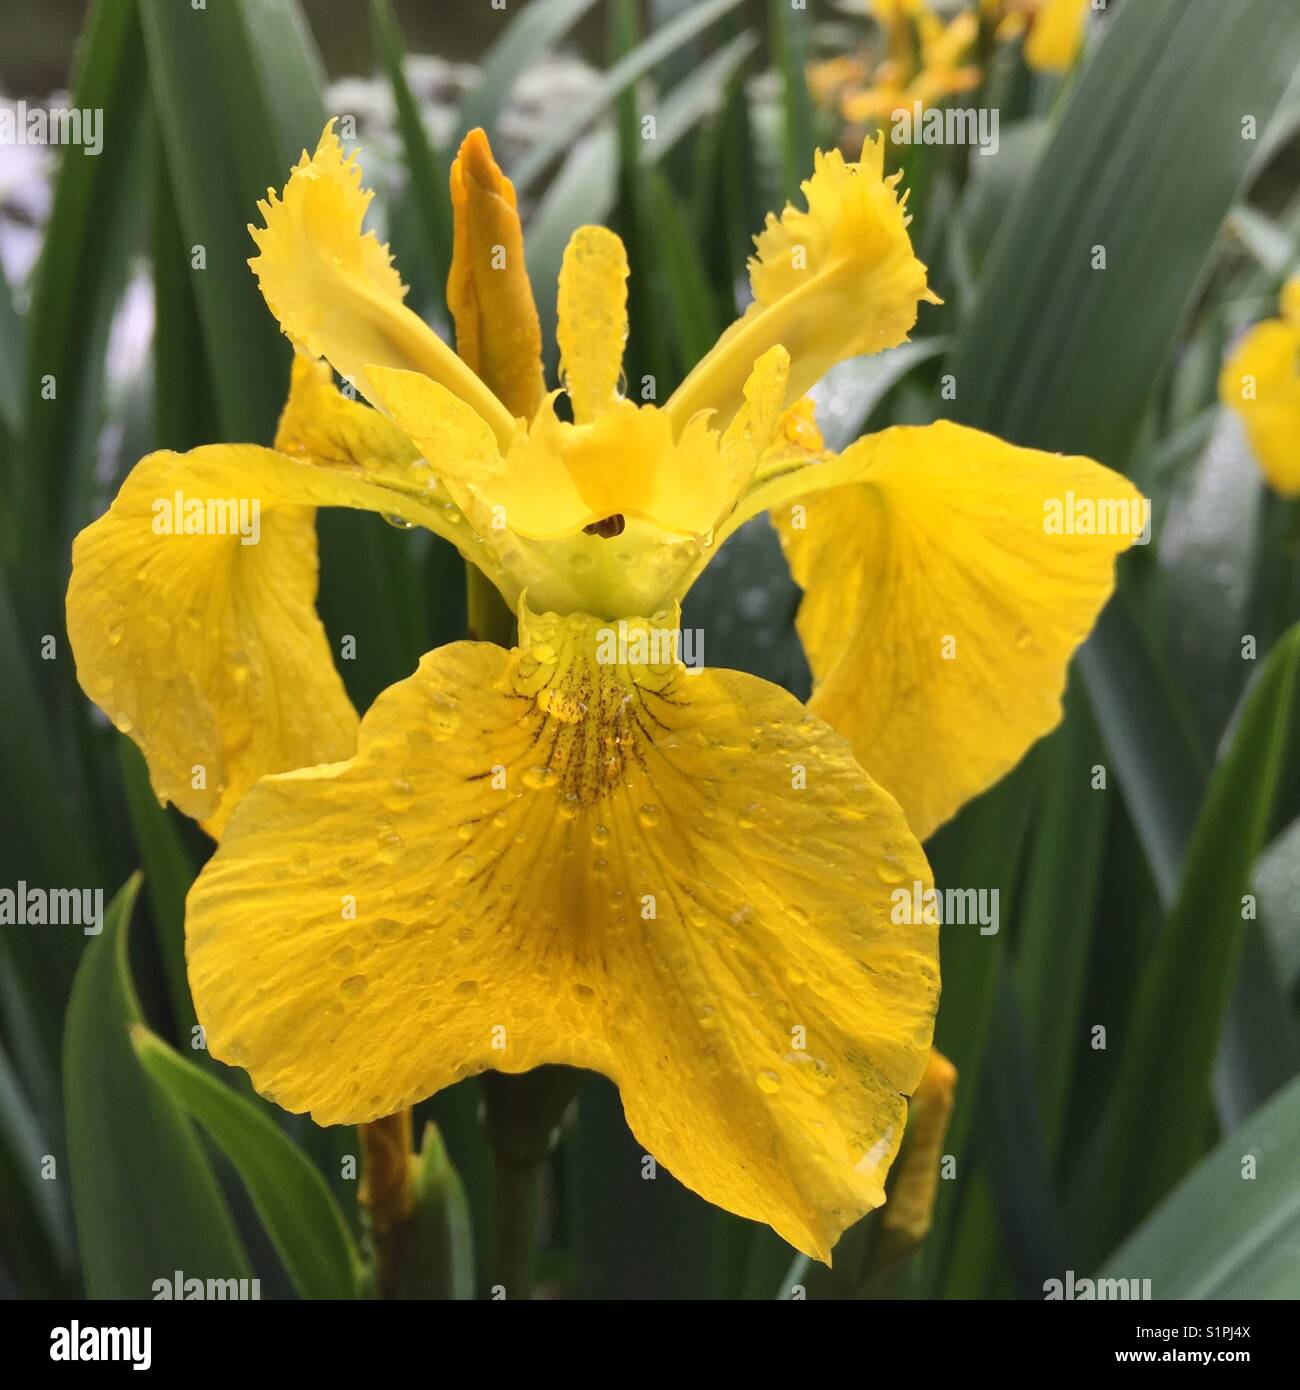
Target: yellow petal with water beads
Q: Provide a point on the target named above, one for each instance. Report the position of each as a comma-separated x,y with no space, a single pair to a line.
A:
948,579
579,853
334,289
832,281
592,314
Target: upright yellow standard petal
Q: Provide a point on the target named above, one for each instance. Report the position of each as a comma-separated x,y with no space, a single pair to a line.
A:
831,282
592,312
948,578
1261,382
334,289
579,853
488,292
1057,35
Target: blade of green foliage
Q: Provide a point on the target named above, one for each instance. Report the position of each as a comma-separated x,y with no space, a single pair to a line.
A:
427,167
1231,1229
197,60
585,188
626,71
143,1192
169,871
1057,909
297,1209
1277,886
533,29
35,1228
438,1261
981,849
78,282
1160,1111
789,30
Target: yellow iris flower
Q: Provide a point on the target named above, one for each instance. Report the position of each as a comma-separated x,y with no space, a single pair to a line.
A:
1056,29
1261,382
926,63
565,853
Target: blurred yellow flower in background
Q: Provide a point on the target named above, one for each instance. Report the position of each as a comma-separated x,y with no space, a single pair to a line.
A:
1261,382
927,62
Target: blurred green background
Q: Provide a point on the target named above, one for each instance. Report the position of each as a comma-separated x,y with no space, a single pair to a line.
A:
1164,909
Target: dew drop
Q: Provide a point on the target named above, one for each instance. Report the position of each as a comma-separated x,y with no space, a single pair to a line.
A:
890,869
353,986
768,1082
400,523
467,989
648,814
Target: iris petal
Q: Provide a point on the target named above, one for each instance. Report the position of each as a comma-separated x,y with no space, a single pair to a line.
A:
682,881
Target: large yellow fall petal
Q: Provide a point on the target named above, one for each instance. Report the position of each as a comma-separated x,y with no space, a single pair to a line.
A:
335,291
1057,35
947,582
1261,382
592,319
682,881
488,292
831,282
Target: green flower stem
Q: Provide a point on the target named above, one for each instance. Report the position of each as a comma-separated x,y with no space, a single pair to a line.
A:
523,1116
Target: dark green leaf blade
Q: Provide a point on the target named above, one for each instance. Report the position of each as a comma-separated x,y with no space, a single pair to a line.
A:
143,1193
297,1209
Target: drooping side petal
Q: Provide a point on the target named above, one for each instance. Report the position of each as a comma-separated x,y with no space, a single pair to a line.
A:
192,616
948,578
571,854
831,282
488,292
592,314
335,291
